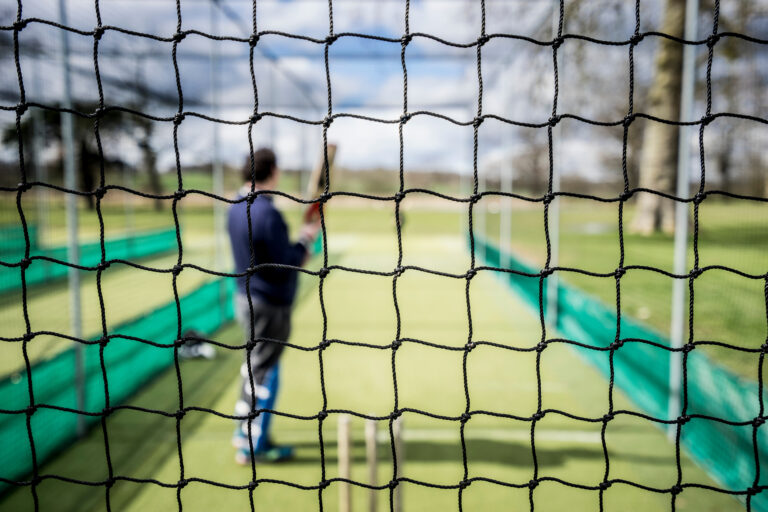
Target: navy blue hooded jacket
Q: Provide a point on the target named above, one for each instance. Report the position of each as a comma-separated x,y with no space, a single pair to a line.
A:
270,244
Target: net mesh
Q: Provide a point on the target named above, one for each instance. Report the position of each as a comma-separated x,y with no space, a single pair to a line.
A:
35,403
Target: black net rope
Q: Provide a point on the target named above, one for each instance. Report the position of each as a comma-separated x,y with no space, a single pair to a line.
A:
103,109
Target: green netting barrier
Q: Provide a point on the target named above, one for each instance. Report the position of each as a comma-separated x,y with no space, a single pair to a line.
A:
642,373
134,246
12,242
129,364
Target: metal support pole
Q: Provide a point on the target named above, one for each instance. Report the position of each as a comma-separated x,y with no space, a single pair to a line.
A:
344,458
505,211
217,171
554,206
677,327
73,247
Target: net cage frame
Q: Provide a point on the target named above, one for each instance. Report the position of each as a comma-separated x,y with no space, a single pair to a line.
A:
176,197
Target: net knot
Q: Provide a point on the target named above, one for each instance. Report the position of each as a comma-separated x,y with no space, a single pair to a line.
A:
255,118
25,263
712,40
182,483
178,194
626,196
696,272
323,272
552,121
764,348
707,120
399,196
464,484
465,417
532,484
548,198
99,112
758,421
107,411
103,341
616,344
323,484
546,272
102,266
178,118
327,120
619,272
100,192
322,415
628,120
677,489
28,336
253,40
331,39
470,274
251,197
482,40
608,417
179,37
405,118
19,25
688,347
635,39
98,32
393,484
324,345
699,198
180,414
477,121
250,345
31,410
407,38
604,485
537,416
557,43
475,198
252,485
541,346
682,420
23,187
110,482
176,270
396,344
753,491
36,480
470,346
21,108
253,414
395,414
399,271
324,197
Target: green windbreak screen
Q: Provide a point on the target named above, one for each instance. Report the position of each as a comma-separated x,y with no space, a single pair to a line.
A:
134,246
129,364
641,371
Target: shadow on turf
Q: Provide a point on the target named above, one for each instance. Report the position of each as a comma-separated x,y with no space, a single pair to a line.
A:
480,450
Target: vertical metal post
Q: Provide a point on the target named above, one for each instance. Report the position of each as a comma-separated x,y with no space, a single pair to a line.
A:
344,449
73,247
371,457
554,206
397,428
677,327
217,169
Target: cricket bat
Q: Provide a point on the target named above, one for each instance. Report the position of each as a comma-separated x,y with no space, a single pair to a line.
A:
316,184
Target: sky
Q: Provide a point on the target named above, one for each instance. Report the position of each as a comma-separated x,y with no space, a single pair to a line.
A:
366,75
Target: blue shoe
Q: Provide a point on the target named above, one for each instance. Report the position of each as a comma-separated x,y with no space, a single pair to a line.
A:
273,453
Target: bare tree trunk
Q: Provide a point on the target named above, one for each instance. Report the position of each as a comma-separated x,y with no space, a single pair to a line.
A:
659,155
149,162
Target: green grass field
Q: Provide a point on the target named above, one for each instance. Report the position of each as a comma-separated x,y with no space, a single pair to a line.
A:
360,308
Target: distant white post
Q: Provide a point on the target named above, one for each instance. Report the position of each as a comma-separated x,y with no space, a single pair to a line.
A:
344,449
73,247
677,328
397,428
554,206
372,460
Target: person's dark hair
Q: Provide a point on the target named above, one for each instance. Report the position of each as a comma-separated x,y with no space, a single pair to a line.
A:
264,163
